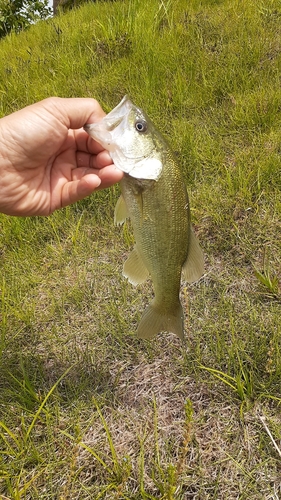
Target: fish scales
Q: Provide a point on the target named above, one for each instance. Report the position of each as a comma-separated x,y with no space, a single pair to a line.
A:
160,222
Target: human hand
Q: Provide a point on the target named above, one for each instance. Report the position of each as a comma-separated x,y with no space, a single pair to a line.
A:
47,161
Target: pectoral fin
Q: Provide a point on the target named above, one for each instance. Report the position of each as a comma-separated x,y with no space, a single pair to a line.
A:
134,269
120,212
193,267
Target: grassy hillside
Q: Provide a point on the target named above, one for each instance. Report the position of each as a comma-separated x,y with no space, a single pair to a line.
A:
86,410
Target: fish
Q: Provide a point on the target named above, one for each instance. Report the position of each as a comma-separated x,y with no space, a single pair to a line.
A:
154,197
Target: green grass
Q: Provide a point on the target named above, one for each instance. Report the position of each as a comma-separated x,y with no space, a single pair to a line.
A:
86,410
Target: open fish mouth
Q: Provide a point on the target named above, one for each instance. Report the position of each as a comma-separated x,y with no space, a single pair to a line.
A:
111,125
112,119
118,113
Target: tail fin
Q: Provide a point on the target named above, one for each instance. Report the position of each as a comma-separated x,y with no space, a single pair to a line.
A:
153,322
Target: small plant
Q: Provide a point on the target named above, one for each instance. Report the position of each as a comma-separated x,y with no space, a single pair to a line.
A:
242,384
268,279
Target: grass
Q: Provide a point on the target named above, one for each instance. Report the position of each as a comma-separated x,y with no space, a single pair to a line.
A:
87,410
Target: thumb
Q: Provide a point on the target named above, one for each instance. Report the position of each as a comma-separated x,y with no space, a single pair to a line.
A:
74,112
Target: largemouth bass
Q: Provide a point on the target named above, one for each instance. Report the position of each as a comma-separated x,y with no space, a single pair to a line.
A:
154,196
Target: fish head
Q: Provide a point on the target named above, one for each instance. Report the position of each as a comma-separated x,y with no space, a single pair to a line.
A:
131,140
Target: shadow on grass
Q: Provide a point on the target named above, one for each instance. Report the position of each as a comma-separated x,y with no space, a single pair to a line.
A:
26,380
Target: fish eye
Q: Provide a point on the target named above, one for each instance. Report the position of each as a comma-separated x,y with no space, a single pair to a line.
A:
141,125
